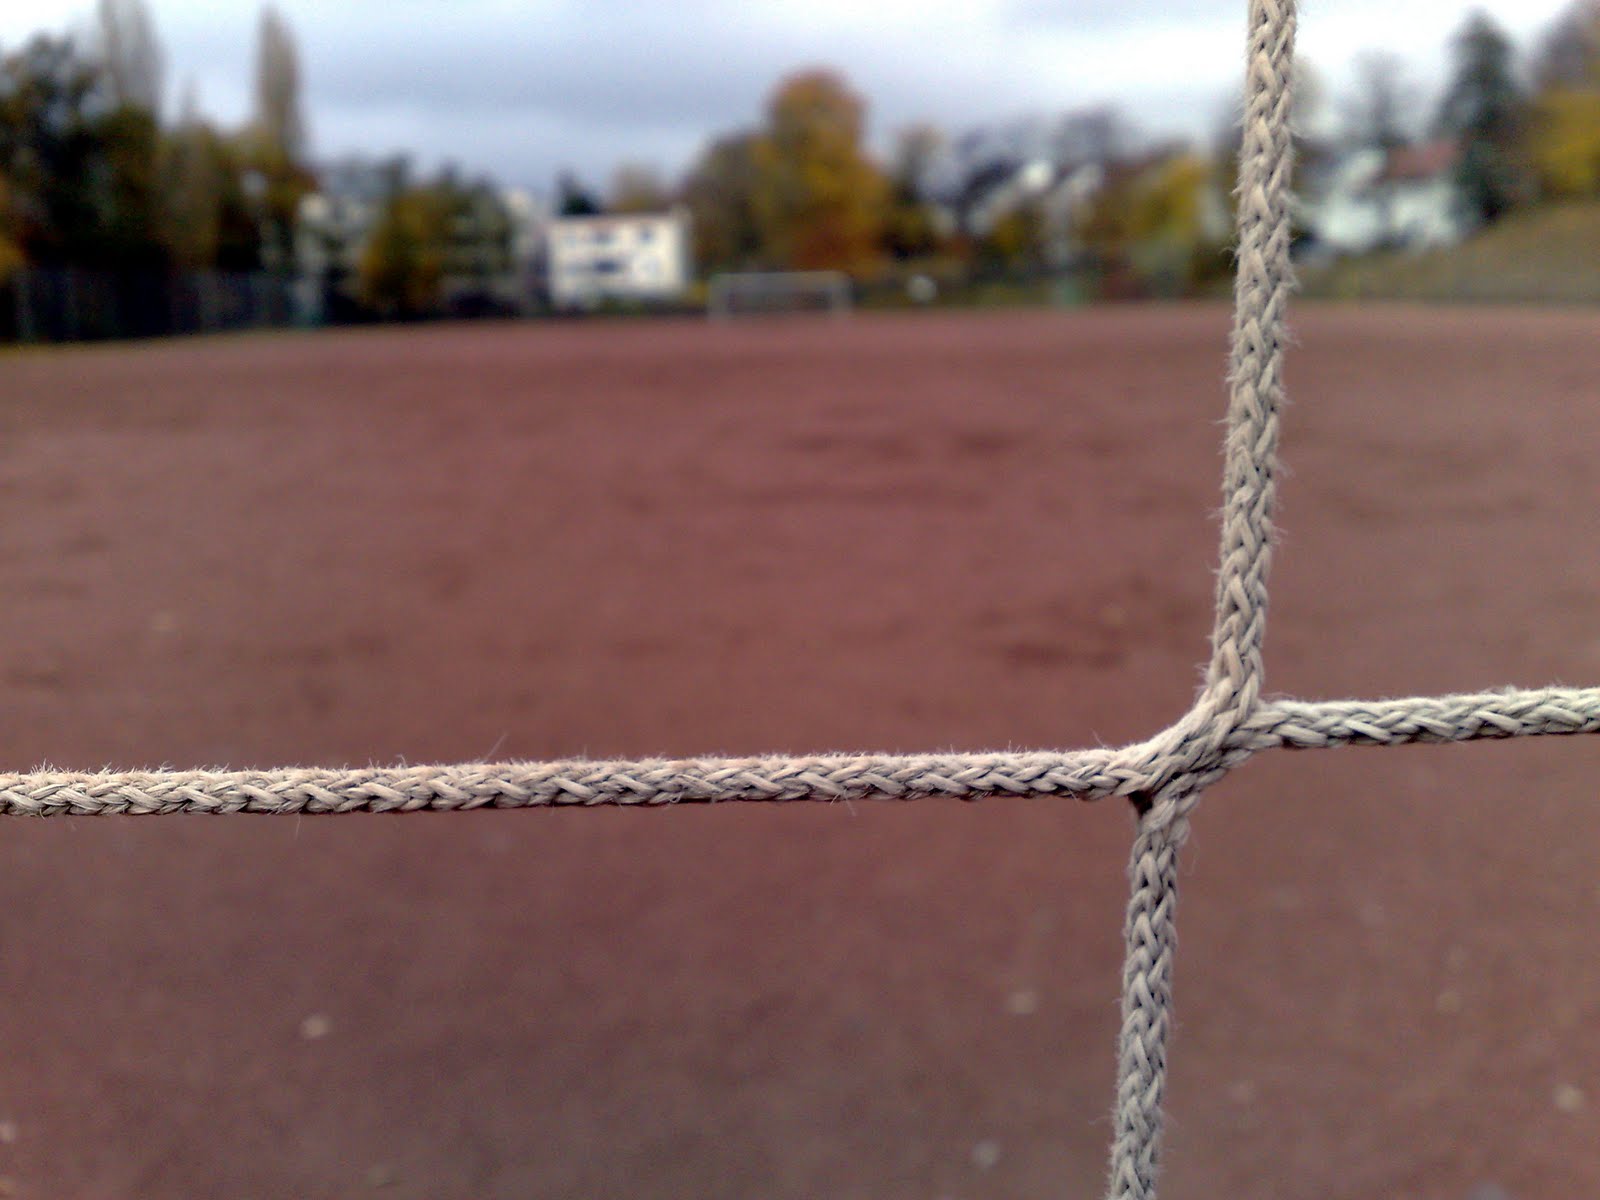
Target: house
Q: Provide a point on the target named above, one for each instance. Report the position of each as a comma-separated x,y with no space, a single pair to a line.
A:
634,257
1373,199
496,241
1057,194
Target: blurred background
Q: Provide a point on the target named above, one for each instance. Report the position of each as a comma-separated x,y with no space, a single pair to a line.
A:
177,167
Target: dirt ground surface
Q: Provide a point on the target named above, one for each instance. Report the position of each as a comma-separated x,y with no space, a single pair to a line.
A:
890,533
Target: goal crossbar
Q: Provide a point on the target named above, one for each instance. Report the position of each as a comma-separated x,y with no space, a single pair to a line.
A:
777,291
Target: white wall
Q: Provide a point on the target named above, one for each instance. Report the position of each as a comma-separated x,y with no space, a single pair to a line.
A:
1356,213
634,257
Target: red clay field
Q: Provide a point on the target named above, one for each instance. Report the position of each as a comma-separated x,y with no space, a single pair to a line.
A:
890,533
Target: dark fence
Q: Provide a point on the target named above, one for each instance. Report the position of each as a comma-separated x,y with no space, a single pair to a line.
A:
69,304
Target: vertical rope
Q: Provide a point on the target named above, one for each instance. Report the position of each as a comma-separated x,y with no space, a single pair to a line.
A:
1146,1009
1262,283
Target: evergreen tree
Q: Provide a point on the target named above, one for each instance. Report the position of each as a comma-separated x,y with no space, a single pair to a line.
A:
573,199
1484,108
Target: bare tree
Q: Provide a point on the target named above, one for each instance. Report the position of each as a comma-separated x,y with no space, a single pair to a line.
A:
1309,100
917,153
134,63
1092,135
1382,110
278,117
637,188
1569,53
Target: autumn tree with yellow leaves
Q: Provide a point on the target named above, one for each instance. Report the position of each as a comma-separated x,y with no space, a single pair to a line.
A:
1156,226
820,201
402,265
1564,138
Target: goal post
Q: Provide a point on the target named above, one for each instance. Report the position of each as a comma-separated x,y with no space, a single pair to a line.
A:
750,293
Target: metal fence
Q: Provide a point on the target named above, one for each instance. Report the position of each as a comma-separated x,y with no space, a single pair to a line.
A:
74,304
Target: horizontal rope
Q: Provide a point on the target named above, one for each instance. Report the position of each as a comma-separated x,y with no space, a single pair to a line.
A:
580,782
1086,774
1460,718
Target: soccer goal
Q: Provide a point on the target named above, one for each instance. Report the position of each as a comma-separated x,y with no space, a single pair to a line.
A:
750,293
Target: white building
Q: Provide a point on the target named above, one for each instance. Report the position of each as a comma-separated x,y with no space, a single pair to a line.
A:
1403,199
635,257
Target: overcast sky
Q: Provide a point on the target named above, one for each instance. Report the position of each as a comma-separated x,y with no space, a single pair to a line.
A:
523,88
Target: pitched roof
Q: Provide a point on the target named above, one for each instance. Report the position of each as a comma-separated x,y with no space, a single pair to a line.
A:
1415,164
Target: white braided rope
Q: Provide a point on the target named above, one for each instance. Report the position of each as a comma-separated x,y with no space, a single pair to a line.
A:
1141,770
1164,775
1263,280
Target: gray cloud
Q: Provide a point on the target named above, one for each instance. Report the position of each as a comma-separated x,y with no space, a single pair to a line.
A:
1085,15
523,88
622,83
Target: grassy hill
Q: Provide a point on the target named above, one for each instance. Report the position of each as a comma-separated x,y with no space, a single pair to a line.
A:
1549,255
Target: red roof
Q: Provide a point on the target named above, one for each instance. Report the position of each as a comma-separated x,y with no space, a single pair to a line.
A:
1415,164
